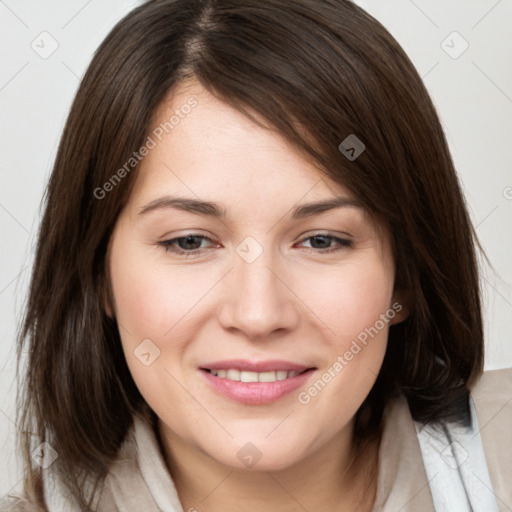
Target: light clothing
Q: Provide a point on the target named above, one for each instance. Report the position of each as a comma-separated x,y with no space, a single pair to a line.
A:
139,479
456,468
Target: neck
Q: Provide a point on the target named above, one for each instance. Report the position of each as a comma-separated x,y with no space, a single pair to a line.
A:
332,478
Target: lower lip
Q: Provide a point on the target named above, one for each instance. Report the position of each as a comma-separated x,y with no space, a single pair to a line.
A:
256,393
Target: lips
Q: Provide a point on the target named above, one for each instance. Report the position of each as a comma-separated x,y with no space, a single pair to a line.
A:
246,376
256,366
255,383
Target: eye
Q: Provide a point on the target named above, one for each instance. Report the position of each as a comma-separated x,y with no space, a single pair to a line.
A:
187,245
190,245
323,243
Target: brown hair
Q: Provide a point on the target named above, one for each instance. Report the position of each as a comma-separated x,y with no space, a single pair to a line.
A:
317,71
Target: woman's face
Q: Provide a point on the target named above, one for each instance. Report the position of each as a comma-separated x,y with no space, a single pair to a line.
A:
263,286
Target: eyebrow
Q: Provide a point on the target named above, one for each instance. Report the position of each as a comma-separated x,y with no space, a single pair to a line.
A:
211,209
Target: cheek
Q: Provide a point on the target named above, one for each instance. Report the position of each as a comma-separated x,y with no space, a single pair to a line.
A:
352,299
139,308
356,341
150,300
147,306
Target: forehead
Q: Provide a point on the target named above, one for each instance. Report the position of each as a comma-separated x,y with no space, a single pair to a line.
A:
214,149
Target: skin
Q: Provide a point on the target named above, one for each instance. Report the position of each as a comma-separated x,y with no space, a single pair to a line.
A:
294,302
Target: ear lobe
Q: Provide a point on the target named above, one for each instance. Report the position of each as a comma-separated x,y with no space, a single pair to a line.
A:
400,305
108,310
106,298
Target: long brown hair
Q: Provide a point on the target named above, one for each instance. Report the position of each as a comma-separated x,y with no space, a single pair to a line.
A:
317,72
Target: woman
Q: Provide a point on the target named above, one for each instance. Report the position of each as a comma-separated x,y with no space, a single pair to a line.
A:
256,283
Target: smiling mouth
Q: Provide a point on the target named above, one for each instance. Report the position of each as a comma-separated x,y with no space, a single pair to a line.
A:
247,376
273,381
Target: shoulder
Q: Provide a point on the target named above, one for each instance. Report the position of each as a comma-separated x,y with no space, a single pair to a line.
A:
492,395
495,382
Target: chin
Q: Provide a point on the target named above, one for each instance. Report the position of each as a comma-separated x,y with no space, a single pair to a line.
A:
257,457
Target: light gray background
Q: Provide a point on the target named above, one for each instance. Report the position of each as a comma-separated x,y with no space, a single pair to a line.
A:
471,90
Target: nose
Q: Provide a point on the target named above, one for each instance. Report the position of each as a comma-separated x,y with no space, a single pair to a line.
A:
258,299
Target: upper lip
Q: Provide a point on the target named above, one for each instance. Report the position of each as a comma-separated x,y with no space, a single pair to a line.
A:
256,366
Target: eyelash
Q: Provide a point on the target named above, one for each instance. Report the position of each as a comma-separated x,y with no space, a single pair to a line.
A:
168,244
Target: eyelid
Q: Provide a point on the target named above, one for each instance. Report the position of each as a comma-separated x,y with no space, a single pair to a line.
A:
343,243
166,244
326,232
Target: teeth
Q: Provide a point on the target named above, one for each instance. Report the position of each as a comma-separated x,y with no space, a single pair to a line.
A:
233,374
268,376
243,376
249,376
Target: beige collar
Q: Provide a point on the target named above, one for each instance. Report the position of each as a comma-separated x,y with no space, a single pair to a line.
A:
139,478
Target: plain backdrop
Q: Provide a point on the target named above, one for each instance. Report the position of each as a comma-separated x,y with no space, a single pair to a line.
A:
461,48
